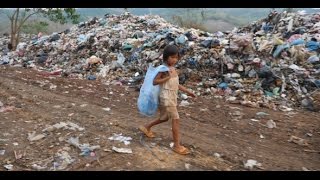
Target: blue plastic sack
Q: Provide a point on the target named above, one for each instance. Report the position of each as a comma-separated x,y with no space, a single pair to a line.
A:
297,42
148,100
223,85
82,38
313,45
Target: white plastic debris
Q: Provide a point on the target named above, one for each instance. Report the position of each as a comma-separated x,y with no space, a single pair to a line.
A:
237,113
8,167
2,152
305,169
106,109
85,148
52,86
63,160
187,166
171,144
205,109
83,105
1,104
309,134
231,98
262,114
285,108
184,96
65,125
122,150
250,164
271,124
119,137
74,126
184,103
37,167
74,141
296,68
217,155
60,125
299,141
33,137
103,72
261,136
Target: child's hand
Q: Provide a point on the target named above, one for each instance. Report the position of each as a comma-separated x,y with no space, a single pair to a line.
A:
172,73
192,95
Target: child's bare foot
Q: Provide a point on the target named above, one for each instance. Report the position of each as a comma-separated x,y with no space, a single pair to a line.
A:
181,150
149,134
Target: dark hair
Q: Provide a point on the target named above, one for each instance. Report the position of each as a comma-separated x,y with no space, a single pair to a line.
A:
10,46
170,50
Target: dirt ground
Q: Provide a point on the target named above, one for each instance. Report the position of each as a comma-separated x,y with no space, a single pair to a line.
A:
221,136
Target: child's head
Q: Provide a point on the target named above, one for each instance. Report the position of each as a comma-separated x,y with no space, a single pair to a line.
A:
171,55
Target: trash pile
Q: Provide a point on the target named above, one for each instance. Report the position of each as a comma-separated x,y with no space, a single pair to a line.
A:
272,63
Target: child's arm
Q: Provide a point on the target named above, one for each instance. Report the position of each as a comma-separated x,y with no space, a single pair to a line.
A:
182,88
160,79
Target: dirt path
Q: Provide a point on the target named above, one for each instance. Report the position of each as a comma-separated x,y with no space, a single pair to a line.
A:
210,128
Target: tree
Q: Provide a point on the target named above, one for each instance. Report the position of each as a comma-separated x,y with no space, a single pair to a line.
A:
34,27
189,18
203,15
19,16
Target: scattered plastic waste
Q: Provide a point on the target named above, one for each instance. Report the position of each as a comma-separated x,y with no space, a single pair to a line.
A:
250,164
119,137
271,124
122,150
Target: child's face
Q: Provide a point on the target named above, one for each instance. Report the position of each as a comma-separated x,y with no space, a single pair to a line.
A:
172,60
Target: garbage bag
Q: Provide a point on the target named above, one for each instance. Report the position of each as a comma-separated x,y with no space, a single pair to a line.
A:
313,59
223,85
297,42
206,43
82,38
279,49
54,37
181,39
148,100
313,45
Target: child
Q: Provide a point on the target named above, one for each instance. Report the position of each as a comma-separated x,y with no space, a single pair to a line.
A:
169,86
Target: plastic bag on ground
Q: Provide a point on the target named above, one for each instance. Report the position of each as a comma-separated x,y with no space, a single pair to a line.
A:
148,100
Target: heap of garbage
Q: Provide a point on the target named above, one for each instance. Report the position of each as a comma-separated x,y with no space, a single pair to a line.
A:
272,63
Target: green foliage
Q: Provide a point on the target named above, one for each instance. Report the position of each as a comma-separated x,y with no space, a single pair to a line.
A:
20,16
34,27
61,15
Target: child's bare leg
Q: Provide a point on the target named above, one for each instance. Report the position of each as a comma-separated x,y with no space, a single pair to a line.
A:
178,148
153,123
175,132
